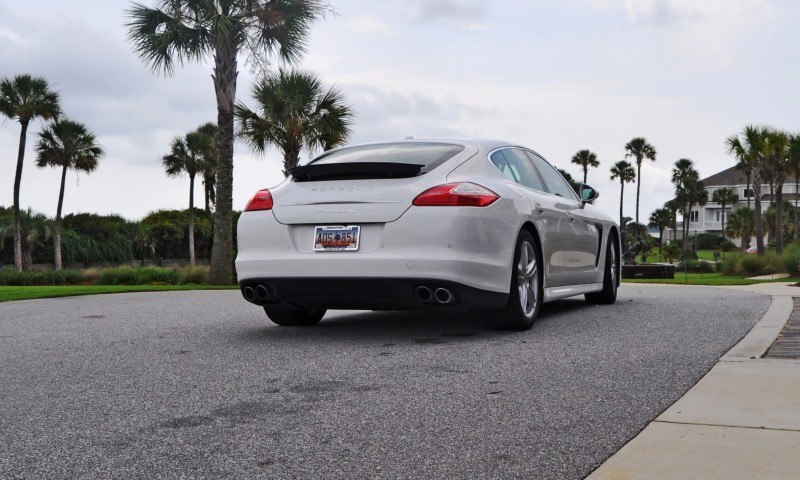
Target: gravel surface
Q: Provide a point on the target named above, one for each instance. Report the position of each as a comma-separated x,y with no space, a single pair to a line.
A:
200,385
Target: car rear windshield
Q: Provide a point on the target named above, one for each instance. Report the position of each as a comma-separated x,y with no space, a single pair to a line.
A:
425,154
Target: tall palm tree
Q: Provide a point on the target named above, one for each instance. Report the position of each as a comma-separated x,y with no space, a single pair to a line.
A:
724,197
639,149
25,98
624,172
67,145
794,168
178,31
777,168
661,218
585,159
689,191
208,168
185,158
295,112
750,149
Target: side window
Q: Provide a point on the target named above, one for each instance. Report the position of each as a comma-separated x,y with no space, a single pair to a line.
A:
500,162
554,181
521,168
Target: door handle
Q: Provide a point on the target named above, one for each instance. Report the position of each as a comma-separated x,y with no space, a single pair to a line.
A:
539,208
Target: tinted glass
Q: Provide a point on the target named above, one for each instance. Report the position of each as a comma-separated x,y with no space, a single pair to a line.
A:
554,181
431,155
520,167
500,162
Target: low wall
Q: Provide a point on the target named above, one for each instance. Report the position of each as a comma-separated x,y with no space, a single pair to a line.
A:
650,270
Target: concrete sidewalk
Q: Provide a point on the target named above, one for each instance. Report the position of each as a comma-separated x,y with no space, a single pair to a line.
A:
741,420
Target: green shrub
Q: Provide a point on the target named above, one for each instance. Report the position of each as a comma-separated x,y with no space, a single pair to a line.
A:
139,276
729,265
12,277
752,265
195,275
696,266
790,259
727,246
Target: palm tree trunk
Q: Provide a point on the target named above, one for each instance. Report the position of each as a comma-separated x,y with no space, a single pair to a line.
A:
621,197
796,196
749,176
778,197
638,185
723,220
585,171
207,197
57,229
759,225
686,213
23,134
291,157
191,220
225,74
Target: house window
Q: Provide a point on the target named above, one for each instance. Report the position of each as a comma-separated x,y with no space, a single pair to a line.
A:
748,193
694,216
719,215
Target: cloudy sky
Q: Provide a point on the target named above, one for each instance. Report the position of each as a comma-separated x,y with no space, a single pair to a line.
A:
555,75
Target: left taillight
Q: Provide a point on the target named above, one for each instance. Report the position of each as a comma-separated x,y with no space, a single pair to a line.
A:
262,200
464,194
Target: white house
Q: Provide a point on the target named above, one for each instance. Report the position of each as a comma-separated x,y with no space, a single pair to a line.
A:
708,218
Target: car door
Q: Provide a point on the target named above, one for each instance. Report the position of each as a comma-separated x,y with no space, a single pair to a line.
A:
550,220
583,234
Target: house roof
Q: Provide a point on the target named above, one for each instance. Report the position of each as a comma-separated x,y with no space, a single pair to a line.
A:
729,177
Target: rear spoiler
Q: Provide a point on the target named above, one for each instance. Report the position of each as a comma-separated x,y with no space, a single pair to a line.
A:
354,171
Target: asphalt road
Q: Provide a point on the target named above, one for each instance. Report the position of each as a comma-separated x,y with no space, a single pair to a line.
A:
199,385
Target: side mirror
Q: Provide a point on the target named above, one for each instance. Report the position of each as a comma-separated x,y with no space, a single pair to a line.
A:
588,194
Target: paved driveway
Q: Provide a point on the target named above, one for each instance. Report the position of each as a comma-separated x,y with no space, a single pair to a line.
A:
198,384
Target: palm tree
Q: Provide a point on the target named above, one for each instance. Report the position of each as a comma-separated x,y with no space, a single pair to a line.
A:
585,159
750,149
25,98
34,229
639,149
661,218
778,157
70,146
624,172
724,197
794,168
740,224
689,191
178,31
295,112
208,167
185,156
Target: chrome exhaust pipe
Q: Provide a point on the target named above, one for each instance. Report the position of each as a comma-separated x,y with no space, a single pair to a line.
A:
249,294
424,294
443,296
262,293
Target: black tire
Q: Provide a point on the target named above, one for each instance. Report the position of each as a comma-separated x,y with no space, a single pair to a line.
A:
608,294
514,316
294,318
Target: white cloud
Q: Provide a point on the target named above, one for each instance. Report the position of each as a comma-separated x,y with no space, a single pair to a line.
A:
465,14
369,24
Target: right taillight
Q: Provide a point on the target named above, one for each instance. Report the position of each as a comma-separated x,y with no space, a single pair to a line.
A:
262,200
464,194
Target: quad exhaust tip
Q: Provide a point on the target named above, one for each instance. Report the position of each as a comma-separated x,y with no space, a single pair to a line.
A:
249,294
261,292
443,296
424,294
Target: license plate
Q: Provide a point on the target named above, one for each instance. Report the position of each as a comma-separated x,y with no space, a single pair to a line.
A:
339,238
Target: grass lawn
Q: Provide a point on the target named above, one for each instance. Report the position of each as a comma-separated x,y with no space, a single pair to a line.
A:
24,293
653,257
706,279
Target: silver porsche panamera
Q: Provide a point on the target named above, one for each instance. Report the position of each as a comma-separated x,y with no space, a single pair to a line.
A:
425,224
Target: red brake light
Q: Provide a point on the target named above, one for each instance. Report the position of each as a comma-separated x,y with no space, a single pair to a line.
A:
262,200
456,195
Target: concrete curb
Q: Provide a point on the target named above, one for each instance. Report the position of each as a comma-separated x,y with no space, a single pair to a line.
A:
740,421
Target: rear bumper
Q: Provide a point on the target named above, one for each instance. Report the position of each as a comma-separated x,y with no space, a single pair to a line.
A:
365,293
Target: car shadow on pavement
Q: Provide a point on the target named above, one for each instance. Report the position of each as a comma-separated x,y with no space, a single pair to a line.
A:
423,327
